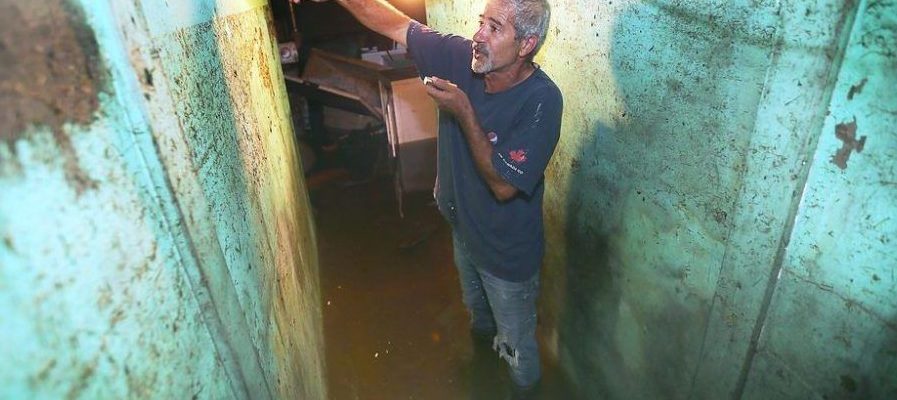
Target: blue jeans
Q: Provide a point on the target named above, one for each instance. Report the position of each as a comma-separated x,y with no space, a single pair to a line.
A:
504,309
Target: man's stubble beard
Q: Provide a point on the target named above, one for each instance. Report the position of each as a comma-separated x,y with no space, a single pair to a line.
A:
483,64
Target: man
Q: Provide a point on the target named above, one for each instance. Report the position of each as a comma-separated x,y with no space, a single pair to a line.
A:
499,126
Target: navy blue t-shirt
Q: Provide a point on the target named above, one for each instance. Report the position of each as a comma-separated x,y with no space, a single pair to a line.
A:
523,123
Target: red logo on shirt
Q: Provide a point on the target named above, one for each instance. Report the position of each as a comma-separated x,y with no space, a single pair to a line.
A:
519,156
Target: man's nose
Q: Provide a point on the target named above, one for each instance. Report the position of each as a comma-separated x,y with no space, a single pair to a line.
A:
478,36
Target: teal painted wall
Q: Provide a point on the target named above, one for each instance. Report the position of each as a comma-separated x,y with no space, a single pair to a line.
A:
703,241
155,233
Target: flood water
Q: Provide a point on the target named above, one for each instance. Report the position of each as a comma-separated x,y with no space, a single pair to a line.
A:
394,324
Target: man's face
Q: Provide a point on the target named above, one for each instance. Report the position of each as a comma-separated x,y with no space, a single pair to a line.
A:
494,46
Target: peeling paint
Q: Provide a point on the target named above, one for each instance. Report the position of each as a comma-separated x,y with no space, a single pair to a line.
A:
856,89
847,133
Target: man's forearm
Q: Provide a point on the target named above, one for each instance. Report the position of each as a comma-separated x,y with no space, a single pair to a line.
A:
481,150
379,16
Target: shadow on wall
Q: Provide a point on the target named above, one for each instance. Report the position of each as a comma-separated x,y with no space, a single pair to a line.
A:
650,189
886,359
591,294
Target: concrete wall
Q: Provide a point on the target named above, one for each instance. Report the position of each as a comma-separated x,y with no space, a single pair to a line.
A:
155,234
708,235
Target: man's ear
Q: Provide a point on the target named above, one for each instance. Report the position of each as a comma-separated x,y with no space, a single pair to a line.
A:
527,46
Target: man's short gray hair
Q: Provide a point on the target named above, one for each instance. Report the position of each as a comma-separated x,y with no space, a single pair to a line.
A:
531,18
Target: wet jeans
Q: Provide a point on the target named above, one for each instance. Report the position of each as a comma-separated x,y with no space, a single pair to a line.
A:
504,309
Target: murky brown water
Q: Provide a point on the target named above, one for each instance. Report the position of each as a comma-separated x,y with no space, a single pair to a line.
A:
394,324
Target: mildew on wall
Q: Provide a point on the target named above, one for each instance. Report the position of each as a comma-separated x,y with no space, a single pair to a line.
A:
187,267
695,135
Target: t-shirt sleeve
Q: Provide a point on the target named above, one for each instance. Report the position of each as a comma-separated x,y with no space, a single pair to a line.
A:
437,54
521,160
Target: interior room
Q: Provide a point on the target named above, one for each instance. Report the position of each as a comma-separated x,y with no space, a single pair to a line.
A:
215,199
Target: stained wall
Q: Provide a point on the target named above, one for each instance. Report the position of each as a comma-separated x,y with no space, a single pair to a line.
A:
155,232
717,226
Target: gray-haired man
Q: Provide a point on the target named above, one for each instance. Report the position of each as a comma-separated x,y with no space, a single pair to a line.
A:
499,128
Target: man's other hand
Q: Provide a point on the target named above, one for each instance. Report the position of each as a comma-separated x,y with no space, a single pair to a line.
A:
448,96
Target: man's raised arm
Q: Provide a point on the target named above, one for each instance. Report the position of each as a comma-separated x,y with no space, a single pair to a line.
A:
379,16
